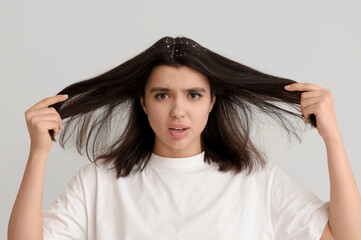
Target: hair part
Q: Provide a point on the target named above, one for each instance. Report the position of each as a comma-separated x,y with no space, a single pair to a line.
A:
93,105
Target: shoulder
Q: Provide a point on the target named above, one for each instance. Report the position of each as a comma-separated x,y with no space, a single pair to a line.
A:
270,176
269,171
273,171
260,177
92,171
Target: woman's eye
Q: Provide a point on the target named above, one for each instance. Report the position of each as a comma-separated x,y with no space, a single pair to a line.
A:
161,96
195,95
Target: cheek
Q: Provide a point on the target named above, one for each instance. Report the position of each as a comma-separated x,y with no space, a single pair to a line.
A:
156,112
201,117
156,117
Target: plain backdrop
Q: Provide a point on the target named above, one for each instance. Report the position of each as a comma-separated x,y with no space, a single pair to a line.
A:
47,45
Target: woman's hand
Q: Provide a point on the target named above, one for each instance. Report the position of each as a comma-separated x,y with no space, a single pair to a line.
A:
318,101
40,119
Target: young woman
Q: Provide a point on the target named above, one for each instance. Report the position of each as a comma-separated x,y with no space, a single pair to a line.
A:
184,166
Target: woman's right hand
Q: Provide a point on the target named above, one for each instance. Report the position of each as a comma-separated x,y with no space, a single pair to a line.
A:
40,119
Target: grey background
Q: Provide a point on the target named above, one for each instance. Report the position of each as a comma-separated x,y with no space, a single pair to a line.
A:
47,45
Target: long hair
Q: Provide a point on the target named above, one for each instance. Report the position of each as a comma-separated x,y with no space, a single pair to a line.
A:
94,104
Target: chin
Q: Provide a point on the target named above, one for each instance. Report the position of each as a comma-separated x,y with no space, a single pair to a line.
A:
178,146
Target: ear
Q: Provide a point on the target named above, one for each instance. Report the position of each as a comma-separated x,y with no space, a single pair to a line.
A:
213,100
142,102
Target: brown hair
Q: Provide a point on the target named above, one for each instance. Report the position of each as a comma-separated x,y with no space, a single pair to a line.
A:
93,104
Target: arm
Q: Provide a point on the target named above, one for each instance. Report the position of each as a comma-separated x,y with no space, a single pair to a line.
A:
345,202
26,216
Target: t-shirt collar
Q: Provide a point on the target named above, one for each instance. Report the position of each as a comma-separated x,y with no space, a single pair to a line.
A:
177,163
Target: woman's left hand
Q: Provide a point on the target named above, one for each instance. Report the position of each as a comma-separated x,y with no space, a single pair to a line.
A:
318,101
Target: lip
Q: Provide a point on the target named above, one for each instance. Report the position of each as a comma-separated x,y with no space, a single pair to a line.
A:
178,135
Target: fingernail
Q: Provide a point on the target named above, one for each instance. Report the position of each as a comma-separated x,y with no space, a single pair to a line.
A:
287,86
64,95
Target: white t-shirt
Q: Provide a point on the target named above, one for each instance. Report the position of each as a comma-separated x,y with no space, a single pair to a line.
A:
184,198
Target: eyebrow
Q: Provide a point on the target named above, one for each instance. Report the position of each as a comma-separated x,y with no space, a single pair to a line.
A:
161,89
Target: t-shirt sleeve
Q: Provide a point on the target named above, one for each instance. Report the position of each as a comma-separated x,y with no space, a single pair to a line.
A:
67,216
296,213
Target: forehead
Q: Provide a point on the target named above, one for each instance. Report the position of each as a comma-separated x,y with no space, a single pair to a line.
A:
168,76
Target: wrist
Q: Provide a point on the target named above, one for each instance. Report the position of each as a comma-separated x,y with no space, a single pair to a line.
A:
38,152
331,139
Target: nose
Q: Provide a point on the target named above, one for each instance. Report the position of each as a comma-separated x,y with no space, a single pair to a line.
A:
178,107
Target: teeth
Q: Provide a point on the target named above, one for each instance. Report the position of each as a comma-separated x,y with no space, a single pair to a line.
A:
178,129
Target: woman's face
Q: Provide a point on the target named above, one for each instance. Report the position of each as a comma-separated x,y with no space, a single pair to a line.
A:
177,103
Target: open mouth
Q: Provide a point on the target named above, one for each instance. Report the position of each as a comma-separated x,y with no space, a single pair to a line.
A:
178,133
179,129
